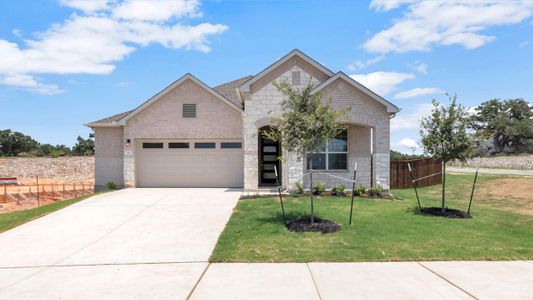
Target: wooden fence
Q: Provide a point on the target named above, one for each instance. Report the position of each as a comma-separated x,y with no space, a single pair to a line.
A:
399,172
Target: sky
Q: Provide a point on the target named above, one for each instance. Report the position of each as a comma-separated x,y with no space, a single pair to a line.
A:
64,63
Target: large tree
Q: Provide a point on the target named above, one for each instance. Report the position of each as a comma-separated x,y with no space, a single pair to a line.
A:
13,143
84,147
506,123
445,136
307,121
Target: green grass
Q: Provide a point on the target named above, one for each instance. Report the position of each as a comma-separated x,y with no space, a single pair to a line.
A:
382,230
14,219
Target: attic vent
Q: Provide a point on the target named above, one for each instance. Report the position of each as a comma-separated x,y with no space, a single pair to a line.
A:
296,78
189,110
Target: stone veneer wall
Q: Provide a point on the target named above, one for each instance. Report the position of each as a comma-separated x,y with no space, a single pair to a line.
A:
70,169
505,162
262,104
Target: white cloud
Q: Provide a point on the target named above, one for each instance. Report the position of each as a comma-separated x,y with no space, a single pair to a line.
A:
417,92
421,67
385,5
409,143
28,82
524,44
92,43
156,10
444,22
410,120
382,82
361,64
88,6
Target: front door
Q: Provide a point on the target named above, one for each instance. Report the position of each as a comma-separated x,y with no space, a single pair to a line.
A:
269,152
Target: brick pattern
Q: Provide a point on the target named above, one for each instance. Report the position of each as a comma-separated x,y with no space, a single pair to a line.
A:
109,145
163,120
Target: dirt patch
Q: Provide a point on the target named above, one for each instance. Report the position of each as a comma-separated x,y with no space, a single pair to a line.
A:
448,213
304,224
514,194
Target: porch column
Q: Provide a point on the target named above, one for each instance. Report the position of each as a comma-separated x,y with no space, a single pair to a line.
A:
381,154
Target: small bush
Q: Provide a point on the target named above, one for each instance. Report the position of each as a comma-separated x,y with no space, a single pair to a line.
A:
319,188
375,191
360,190
300,187
338,189
110,184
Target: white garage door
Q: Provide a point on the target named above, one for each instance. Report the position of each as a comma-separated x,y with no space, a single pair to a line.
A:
178,163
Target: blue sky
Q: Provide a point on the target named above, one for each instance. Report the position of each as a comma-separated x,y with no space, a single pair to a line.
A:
67,62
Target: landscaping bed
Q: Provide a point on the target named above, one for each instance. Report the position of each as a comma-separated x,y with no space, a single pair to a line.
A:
382,230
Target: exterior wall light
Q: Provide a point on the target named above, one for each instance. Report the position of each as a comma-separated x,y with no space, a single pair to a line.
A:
128,142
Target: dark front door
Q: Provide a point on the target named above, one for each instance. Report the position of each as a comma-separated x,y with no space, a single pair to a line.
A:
269,152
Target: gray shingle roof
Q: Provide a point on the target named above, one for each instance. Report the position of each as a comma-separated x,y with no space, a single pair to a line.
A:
228,89
113,118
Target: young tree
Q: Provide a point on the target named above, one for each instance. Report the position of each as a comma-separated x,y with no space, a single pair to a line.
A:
506,123
306,123
445,136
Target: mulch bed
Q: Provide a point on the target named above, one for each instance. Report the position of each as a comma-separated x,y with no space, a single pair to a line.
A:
448,213
304,224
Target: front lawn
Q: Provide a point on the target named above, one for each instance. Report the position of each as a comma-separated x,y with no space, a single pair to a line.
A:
14,219
384,230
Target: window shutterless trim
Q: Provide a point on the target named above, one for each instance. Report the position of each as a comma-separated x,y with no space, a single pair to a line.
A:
178,145
231,145
204,145
327,153
152,145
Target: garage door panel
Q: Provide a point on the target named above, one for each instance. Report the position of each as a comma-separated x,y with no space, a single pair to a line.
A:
164,167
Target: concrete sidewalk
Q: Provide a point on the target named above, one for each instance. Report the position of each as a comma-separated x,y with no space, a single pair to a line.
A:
395,280
490,171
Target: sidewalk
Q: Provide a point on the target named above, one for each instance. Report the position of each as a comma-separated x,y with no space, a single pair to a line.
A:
490,171
367,280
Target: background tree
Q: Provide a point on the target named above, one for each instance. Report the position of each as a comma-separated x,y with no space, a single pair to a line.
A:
444,136
506,123
84,147
13,143
306,123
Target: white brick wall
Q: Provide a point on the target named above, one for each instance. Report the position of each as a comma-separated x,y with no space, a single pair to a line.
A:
108,155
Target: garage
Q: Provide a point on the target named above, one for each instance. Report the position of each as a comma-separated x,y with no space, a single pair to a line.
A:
189,163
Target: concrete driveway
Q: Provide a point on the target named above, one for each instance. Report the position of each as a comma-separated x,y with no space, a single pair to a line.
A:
129,244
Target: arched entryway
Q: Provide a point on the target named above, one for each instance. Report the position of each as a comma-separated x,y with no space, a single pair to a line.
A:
268,158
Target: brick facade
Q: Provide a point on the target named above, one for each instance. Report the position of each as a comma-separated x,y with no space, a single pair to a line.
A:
368,124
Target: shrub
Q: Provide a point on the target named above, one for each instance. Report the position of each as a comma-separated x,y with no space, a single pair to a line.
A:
375,191
360,190
110,184
319,188
300,187
338,189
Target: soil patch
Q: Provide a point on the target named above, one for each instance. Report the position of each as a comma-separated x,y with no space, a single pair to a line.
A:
513,194
448,213
304,224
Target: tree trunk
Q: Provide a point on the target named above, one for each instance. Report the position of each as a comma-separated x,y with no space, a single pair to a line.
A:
443,208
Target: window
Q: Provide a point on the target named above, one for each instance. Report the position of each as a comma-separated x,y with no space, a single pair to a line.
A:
331,156
178,145
230,145
296,78
189,110
204,145
152,145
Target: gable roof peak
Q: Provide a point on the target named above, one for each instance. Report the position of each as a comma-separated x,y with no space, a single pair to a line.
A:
245,87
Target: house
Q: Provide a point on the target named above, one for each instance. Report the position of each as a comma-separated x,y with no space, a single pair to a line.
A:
193,135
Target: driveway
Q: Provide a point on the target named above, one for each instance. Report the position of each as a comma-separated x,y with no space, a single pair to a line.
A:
128,244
